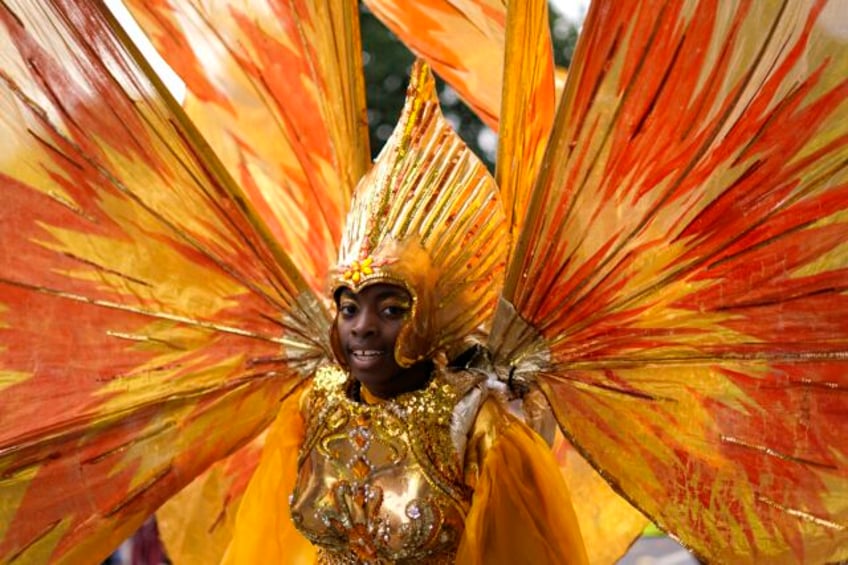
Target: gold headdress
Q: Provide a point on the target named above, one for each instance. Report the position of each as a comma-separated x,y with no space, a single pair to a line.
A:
427,218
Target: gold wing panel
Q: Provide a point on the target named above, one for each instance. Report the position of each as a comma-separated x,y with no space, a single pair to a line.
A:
686,271
276,88
141,305
527,113
608,523
196,525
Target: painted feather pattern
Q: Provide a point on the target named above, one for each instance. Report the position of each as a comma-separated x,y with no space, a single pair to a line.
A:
276,88
678,266
134,320
693,231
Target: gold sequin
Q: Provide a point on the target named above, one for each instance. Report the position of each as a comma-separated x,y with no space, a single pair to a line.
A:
381,483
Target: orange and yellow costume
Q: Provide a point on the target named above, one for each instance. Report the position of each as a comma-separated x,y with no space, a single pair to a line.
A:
399,483
661,255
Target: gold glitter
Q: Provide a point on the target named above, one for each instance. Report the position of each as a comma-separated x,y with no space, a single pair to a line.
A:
381,483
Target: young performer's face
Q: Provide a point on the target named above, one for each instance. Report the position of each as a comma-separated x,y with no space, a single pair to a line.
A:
368,326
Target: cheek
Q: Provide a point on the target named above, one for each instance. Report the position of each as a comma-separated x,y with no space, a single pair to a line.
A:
342,331
395,331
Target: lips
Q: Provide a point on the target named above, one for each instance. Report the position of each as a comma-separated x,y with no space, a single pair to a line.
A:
364,358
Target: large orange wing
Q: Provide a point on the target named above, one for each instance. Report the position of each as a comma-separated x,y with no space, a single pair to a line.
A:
527,111
276,88
148,324
196,525
608,524
682,278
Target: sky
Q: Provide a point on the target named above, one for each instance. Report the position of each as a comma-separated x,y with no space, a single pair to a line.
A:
574,10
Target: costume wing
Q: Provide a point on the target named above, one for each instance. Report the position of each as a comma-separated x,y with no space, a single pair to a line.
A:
149,324
608,524
680,283
196,525
276,88
527,111
463,41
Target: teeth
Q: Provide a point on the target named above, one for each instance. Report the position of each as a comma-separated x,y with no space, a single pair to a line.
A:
367,353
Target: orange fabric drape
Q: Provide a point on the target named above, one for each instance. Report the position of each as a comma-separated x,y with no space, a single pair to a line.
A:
264,531
521,511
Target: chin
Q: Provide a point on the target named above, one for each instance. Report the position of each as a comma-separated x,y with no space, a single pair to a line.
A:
370,380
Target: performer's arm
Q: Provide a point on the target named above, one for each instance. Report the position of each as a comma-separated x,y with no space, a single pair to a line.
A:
521,510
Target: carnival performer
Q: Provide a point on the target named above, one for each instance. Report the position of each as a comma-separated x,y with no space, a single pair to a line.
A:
660,257
395,454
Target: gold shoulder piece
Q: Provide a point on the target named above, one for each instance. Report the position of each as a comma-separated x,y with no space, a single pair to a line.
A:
329,378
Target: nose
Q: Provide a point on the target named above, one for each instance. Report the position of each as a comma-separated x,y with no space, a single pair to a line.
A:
364,324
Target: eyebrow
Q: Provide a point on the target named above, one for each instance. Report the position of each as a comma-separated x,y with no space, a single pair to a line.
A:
394,294
400,294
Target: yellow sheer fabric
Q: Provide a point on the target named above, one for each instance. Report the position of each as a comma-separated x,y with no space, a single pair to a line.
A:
264,532
521,511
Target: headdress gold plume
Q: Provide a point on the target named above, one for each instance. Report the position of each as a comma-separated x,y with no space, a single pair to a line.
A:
427,218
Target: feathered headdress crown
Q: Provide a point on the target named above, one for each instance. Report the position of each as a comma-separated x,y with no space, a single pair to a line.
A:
427,218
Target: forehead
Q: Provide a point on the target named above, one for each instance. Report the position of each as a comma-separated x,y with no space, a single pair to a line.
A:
377,291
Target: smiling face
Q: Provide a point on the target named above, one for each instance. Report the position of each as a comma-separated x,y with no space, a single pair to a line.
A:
368,325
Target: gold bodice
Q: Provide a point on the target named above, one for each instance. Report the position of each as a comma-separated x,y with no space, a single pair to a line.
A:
384,483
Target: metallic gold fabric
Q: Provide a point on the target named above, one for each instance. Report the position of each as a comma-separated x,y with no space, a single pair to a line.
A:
528,82
383,483
327,558
686,267
518,511
429,220
277,91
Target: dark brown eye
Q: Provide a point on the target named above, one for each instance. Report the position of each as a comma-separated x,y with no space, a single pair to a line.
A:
347,309
395,311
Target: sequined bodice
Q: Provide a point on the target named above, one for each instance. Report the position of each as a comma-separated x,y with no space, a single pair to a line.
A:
384,483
